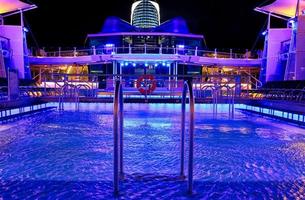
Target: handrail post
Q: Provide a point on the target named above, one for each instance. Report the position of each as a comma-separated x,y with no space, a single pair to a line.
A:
117,137
94,50
191,140
116,142
45,84
233,102
121,131
188,88
182,139
74,51
129,48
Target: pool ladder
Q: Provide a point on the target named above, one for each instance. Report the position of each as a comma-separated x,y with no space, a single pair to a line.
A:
118,124
216,90
69,91
187,88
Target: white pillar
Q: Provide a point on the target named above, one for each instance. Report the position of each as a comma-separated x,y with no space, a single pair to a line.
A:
269,21
115,69
94,50
129,49
121,73
114,66
74,52
297,12
169,78
176,73
21,18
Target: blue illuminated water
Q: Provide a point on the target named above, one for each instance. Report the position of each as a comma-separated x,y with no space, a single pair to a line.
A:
68,155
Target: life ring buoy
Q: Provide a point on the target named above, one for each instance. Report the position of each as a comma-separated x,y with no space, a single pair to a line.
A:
150,84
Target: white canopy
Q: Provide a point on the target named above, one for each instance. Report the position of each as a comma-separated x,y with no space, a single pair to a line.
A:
7,6
286,8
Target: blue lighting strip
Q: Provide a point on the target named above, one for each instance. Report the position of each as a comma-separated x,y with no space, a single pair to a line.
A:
284,115
134,64
9,114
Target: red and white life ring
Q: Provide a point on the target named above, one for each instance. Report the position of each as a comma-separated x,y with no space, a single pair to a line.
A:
146,84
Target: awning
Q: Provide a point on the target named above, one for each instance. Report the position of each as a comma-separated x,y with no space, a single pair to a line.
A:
285,8
8,6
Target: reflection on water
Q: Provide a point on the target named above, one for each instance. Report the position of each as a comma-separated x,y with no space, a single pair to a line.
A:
68,155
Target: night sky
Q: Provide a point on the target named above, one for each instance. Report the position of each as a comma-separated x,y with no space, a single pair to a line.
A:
224,23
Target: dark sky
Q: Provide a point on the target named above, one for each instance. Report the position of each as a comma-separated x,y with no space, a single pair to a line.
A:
224,23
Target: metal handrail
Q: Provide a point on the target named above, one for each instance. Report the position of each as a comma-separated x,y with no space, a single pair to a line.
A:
146,50
77,98
118,123
188,89
279,94
258,83
63,91
231,100
61,99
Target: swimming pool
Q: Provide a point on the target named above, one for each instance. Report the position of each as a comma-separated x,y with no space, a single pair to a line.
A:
68,155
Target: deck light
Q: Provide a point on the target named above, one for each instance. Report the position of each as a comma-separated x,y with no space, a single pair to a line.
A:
25,29
292,23
134,64
168,64
180,46
163,64
265,33
146,65
109,48
109,45
126,64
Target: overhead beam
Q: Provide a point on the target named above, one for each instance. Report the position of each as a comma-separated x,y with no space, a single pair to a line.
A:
19,11
272,14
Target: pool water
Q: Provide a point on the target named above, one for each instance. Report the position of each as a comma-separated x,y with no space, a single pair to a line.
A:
68,155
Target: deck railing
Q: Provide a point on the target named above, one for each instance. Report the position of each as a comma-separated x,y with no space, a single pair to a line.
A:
297,95
167,86
148,50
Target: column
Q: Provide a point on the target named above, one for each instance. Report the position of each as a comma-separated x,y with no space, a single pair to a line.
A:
169,78
115,72
176,74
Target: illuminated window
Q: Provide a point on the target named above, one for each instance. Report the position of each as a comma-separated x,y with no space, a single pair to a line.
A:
145,14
